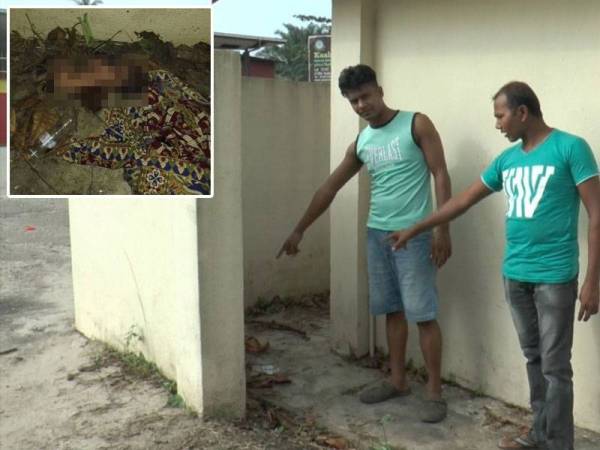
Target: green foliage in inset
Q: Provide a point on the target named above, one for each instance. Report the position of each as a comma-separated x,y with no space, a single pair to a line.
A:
86,29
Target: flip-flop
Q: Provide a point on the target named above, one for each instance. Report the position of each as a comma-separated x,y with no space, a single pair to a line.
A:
512,442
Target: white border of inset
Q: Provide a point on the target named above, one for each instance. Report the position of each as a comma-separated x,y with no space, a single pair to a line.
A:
212,108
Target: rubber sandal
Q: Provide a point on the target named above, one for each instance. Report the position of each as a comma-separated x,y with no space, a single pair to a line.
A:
383,391
434,411
521,441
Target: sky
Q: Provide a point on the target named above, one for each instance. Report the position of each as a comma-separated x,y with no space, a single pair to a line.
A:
263,17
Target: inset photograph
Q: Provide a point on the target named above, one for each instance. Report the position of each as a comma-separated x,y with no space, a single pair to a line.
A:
110,102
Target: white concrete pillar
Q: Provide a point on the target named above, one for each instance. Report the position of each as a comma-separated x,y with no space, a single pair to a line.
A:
220,252
352,38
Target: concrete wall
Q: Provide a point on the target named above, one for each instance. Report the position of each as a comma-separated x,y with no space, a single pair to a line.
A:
135,267
180,26
447,59
172,269
285,156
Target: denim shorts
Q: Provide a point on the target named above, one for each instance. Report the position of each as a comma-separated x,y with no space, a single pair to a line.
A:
402,280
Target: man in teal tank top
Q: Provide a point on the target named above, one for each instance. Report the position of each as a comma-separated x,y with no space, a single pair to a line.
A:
401,151
544,177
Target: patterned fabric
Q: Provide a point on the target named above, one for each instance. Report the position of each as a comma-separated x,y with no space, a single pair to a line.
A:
163,147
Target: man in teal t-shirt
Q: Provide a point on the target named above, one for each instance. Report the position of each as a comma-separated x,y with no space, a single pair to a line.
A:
543,205
544,178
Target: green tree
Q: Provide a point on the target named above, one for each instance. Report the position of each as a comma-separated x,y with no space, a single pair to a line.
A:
292,56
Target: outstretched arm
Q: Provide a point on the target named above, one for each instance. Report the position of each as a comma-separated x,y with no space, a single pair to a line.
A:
450,210
589,191
430,143
322,198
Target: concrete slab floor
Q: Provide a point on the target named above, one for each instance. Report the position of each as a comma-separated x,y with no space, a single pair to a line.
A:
325,386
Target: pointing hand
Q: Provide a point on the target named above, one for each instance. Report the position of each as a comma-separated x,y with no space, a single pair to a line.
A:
398,239
290,246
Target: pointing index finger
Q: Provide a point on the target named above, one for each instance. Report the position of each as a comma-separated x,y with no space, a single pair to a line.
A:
280,251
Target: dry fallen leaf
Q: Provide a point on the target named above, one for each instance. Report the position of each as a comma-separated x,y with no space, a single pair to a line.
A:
20,138
253,345
333,442
27,103
58,35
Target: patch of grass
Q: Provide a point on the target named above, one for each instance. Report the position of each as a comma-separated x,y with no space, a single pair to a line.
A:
134,334
135,365
175,401
170,386
86,29
384,444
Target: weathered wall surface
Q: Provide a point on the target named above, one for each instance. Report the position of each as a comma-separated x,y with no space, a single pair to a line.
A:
285,156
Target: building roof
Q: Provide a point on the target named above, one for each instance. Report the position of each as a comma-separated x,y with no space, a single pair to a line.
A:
227,41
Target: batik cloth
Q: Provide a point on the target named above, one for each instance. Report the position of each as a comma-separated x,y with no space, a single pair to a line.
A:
164,147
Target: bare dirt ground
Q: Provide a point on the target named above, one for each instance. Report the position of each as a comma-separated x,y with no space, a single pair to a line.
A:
56,396
59,390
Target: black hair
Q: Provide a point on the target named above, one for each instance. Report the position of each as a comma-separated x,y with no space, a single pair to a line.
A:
518,93
353,77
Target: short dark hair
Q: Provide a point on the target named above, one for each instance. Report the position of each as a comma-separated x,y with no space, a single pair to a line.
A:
353,77
518,93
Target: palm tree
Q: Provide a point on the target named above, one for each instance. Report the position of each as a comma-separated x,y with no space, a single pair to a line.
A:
88,2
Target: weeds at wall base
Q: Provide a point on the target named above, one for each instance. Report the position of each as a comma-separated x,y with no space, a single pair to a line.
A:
135,365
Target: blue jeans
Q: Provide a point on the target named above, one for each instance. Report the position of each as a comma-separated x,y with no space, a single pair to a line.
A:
543,315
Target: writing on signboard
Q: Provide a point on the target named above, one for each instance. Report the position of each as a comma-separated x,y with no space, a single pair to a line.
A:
319,58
